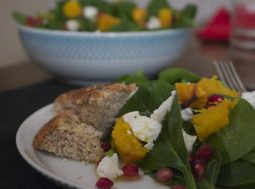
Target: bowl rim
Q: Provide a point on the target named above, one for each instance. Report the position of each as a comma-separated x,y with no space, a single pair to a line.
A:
103,34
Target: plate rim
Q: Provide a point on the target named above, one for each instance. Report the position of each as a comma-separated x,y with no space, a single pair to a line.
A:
58,179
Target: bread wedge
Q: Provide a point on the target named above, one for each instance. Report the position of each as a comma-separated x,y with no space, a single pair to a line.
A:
97,105
65,136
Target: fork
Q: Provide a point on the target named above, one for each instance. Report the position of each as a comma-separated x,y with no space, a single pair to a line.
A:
228,74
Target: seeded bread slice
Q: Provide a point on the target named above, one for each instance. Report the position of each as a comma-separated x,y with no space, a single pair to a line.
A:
65,136
97,105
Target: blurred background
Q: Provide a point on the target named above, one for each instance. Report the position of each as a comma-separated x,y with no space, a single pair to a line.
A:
11,51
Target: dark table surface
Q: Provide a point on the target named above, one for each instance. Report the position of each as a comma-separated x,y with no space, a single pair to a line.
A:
26,88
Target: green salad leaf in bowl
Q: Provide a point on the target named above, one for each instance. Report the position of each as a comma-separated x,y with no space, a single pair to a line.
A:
117,16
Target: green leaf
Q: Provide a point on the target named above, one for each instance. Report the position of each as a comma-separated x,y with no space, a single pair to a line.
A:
125,25
155,5
237,174
137,77
189,11
123,10
149,96
250,156
169,149
19,17
185,17
175,75
237,139
87,25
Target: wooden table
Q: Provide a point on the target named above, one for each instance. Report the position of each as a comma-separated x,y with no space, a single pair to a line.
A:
198,58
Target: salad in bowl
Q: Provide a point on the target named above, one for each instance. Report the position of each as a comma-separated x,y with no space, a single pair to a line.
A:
115,16
185,131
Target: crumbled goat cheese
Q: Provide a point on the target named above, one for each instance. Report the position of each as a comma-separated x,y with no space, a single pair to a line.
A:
188,140
153,23
109,167
147,129
90,12
160,113
249,97
72,25
143,127
187,114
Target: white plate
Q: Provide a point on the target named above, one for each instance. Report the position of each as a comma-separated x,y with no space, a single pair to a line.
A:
67,172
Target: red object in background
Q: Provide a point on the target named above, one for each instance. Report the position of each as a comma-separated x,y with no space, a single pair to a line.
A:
218,28
244,18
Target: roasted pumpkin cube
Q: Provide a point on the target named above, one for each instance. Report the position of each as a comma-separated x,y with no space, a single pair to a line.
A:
165,16
213,86
106,21
127,145
139,15
211,120
189,93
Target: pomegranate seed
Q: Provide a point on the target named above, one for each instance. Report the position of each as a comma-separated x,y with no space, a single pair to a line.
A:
214,99
191,158
178,187
164,175
31,21
106,146
204,152
130,170
104,183
198,168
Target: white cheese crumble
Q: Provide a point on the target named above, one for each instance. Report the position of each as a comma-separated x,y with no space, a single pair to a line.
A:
143,127
249,97
159,114
147,129
153,23
109,167
187,114
188,140
90,12
72,25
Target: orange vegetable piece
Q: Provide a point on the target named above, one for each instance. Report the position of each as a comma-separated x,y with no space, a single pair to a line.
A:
127,145
139,15
211,120
72,9
165,16
213,86
106,21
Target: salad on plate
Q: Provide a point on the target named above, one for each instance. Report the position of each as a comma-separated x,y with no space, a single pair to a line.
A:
105,16
185,131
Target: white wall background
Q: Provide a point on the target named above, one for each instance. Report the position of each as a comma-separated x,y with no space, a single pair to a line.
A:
11,51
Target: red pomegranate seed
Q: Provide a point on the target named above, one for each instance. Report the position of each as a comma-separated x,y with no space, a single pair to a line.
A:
198,168
106,146
31,21
205,152
214,99
178,187
164,175
104,183
130,170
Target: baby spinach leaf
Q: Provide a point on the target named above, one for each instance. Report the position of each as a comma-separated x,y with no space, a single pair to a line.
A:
148,97
19,17
125,25
137,77
237,174
175,75
250,156
155,5
169,149
237,139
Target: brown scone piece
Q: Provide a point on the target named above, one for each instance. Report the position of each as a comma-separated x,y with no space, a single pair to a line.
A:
98,106
65,136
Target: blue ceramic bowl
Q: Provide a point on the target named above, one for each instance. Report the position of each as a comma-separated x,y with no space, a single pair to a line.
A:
82,57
